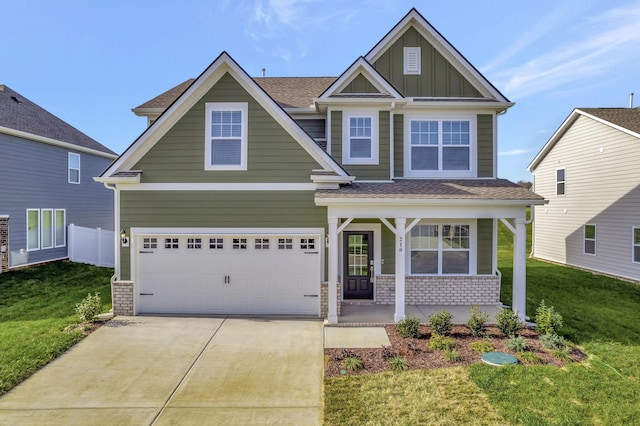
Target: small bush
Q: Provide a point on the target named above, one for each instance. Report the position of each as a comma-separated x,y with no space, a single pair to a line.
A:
482,347
408,327
508,322
477,321
548,321
344,354
452,355
562,355
553,341
529,358
441,322
387,352
89,308
353,363
517,344
398,364
438,342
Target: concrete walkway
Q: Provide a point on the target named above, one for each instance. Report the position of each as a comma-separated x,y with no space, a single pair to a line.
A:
173,370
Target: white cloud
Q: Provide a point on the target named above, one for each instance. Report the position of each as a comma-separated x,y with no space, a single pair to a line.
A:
514,152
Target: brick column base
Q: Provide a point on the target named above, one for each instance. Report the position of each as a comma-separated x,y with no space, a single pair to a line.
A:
122,292
324,299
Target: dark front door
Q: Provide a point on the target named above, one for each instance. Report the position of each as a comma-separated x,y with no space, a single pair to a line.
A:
358,265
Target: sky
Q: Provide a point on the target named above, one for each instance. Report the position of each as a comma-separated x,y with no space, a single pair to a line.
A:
90,62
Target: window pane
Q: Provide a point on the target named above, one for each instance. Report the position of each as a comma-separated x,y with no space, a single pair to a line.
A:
590,246
590,232
636,254
455,262
424,158
455,132
424,237
424,132
560,189
33,229
424,262
455,158
360,148
47,228
455,236
636,235
560,175
60,228
225,152
74,175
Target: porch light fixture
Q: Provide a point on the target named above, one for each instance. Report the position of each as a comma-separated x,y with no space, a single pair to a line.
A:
124,239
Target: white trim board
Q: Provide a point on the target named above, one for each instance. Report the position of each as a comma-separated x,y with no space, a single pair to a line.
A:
218,187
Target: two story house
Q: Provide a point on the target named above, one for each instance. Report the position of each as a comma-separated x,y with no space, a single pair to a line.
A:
289,195
46,182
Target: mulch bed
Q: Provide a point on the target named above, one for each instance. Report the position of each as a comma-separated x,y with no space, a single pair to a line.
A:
418,355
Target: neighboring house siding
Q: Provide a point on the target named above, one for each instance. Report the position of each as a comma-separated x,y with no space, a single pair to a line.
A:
485,145
360,84
222,209
273,155
438,77
315,127
485,246
382,170
602,188
34,175
398,148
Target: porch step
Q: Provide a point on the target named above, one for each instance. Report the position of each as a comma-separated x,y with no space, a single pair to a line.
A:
358,302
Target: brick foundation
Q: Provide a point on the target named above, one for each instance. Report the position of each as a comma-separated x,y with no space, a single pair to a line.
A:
122,293
4,243
441,290
324,299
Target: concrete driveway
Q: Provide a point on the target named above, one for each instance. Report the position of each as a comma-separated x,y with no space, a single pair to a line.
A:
174,370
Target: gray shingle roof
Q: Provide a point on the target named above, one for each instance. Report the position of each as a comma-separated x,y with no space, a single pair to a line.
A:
19,113
629,118
446,189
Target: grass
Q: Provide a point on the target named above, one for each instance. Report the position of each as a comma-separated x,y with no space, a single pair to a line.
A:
37,305
600,313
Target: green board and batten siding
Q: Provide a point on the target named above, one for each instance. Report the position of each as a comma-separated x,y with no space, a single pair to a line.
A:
438,77
360,84
273,155
485,145
380,171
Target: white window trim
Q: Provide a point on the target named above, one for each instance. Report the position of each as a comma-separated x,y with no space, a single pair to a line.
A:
406,67
51,229
226,106
473,244
473,146
69,168
633,244
564,182
585,239
346,137
27,229
64,228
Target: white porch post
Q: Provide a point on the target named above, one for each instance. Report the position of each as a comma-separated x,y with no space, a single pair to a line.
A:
520,268
333,271
400,269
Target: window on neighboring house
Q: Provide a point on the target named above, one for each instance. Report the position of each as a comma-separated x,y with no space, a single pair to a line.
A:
46,227
412,60
589,239
226,136
560,181
194,243
261,243
60,228
636,245
74,168
360,130
33,229
440,146
440,249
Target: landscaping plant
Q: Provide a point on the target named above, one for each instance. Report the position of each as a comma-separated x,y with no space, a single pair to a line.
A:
477,321
441,322
517,344
548,321
508,322
398,364
529,358
408,327
352,363
90,307
438,342
553,341
451,355
482,347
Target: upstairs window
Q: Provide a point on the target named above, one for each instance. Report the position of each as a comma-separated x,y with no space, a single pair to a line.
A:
636,245
412,60
360,138
73,168
560,181
590,239
226,136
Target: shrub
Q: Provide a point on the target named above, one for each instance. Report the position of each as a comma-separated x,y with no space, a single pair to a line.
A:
477,321
387,352
562,355
548,321
452,355
482,347
408,327
90,307
529,358
517,344
353,363
553,341
441,322
438,342
398,364
508,322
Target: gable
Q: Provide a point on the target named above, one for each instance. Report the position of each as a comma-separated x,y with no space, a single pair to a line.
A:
273,154
438,77
360,84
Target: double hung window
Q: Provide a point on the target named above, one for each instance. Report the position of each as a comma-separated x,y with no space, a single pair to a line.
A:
441,249
636,245
360,138
226,136
560,181
589,239
73,168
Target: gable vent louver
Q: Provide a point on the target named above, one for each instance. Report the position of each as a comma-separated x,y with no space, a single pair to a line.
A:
412,60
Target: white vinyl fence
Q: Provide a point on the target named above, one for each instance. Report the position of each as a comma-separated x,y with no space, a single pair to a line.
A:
92,246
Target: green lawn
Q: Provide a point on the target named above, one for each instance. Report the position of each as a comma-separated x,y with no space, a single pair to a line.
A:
600,313
36,306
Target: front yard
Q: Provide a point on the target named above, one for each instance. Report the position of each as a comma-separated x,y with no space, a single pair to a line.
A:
601,315
37,314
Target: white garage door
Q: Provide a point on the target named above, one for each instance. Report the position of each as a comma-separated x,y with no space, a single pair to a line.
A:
210,274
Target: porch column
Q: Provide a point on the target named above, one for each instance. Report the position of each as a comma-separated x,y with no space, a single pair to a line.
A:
520,268
333,271
400,260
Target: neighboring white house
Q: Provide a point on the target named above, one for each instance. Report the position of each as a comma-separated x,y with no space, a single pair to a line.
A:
590,172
